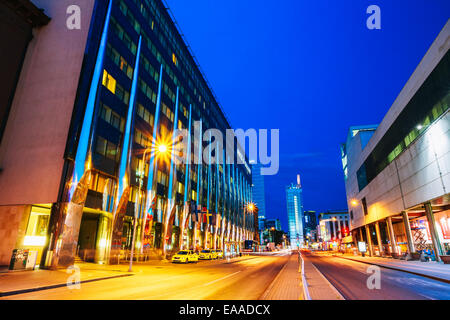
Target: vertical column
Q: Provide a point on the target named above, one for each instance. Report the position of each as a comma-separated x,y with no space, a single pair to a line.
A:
380,243
409,237
390,229
434,234
369,240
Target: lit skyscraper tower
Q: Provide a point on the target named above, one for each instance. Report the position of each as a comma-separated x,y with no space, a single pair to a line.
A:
294,201
259,195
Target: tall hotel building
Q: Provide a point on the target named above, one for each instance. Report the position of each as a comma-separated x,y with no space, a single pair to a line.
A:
87,130
294,200
397,174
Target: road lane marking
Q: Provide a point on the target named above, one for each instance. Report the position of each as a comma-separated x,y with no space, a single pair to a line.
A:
214,281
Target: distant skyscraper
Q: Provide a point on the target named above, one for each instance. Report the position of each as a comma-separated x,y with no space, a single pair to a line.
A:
259,195
294,199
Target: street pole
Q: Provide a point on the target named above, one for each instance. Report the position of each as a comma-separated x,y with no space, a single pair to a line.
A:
132,241
141,173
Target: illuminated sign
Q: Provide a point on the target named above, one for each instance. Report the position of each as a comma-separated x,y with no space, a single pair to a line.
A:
362,246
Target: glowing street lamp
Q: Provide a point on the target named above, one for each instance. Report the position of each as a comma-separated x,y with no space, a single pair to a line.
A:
354,203
161,149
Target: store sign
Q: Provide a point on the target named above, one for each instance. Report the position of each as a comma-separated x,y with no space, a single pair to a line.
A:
362,247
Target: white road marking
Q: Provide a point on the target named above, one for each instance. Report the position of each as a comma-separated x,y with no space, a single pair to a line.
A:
214,281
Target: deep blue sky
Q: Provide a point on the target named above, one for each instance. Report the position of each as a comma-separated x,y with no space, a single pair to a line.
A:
311,69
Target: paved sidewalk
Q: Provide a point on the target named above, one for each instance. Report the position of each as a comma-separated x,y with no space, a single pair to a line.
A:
287,284
433,270
26,281
318,286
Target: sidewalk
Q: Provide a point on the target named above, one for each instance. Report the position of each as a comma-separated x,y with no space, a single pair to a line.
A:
318,286
27,281
434,270
287,284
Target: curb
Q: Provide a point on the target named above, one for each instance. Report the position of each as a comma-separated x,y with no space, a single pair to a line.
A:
305,285
398,269
54,286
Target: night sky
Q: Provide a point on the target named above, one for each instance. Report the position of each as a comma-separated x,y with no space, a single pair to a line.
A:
311,69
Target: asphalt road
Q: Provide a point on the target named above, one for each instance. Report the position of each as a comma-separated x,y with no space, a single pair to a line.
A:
247,278
350,279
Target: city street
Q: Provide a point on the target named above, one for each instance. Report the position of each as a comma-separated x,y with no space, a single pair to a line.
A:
245,278
350,277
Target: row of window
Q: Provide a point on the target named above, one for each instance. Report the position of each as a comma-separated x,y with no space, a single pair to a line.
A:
123,35
169,71
119,61
166,110
142,139
147,90
145,114
114,119
158,56
107,149
149,68
111,84
435,113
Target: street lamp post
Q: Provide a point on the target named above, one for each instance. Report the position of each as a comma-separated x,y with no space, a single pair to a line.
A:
141,178
161,148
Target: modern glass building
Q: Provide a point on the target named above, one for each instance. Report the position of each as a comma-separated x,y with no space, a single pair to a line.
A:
93,124
259,195
294,200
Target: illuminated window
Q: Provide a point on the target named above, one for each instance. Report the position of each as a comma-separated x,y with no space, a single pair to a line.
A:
109,82
36,233
174,59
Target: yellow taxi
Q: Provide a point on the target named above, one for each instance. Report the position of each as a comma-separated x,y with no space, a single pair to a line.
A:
185,256
206,255
219,254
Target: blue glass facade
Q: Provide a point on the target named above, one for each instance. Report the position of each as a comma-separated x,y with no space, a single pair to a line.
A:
294,200
143,86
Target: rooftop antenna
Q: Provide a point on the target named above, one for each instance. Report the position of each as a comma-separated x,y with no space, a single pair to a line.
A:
298,181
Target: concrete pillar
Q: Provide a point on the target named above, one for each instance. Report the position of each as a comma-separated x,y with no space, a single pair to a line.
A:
361,236
391,233
380,243
409,238
434,234
369,240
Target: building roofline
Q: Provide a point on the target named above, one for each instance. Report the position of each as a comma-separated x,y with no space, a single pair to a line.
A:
29,12
428,63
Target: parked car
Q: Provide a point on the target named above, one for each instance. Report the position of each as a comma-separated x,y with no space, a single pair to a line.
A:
219,254
185,256
206,255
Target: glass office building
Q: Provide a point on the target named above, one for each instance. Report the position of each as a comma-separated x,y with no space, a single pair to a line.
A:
259,195
294,200
137,85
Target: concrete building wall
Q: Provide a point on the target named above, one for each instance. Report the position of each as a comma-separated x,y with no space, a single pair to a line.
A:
32,149
421,172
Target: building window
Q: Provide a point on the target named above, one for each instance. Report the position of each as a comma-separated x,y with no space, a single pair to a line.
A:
364,204
107,149
145,114
109,82
36,233
111,117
